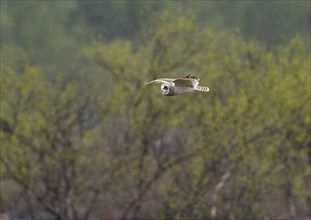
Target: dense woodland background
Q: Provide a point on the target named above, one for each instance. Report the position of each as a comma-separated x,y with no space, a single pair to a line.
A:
83,138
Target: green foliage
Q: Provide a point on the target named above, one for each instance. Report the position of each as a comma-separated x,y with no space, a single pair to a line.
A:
46,30
99,144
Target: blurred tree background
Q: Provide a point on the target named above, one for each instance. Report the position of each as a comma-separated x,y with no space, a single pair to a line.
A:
83,138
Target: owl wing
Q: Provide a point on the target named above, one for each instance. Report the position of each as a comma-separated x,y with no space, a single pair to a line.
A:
184,82
160,81
201,88
191,82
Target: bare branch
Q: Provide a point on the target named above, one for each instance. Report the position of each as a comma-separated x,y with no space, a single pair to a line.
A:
217,188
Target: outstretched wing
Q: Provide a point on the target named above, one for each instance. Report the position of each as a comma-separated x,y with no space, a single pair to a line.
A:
201,88
184,82
160,81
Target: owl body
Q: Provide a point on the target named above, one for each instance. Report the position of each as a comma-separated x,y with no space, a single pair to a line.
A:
171,87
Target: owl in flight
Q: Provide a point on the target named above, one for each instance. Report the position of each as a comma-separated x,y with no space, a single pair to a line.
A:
171,87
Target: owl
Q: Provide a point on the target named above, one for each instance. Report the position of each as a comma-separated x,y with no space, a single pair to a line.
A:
171,87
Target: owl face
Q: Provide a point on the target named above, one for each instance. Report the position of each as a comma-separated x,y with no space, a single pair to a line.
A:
167,89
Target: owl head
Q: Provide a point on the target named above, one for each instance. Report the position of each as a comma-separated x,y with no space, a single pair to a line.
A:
167,89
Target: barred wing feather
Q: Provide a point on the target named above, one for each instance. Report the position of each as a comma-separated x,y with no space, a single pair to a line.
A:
202,88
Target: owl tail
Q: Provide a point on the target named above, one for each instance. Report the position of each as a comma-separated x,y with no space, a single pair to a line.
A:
202,88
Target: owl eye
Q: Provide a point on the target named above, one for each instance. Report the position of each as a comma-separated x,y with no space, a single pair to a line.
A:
165,87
